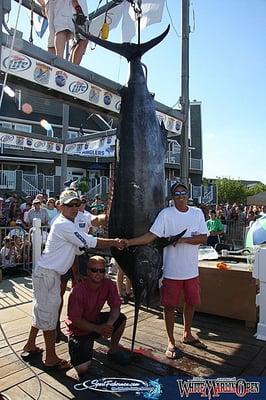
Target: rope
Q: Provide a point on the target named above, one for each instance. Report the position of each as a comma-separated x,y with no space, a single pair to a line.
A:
20,359
10,53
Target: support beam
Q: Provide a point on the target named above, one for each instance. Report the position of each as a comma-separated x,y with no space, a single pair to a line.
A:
65,124
92,15
185,91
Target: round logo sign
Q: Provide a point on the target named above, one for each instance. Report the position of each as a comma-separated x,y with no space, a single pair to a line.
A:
17,63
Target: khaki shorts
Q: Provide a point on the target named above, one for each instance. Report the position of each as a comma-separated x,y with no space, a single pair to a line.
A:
59,14
46,298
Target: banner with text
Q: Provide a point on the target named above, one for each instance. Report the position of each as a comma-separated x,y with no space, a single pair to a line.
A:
51,77
35,144
104,147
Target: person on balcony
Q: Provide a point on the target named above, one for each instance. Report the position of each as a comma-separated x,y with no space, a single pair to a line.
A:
60,15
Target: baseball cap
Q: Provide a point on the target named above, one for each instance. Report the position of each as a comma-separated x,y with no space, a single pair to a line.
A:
67,196
36,201
176,184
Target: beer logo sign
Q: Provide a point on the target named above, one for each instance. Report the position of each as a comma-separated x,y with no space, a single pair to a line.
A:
17,63
78,87
60,78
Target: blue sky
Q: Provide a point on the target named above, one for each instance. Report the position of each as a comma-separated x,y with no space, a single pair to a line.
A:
227,74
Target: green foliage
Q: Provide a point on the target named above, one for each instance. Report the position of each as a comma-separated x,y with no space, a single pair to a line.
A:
258,188
231,191
83,186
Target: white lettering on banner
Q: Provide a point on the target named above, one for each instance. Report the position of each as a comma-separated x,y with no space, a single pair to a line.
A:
95,148
54,78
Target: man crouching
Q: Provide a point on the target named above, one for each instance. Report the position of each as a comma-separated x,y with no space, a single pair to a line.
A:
86,322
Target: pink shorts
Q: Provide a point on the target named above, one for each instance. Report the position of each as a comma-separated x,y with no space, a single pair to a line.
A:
171,289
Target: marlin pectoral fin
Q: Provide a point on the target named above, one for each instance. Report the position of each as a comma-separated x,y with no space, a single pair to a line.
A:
172,239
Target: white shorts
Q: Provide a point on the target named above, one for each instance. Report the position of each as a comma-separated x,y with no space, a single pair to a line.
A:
59,14
46,298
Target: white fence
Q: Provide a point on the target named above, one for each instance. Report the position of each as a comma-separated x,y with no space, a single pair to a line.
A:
8,180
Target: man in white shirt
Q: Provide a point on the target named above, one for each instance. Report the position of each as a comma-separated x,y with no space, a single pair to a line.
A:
63,244
180,262
83,221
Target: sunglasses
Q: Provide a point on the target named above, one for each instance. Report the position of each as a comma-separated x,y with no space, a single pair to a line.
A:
72,205
180,193
101,270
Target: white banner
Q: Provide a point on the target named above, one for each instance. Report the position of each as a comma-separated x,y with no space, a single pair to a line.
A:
51,77
104,147
34,144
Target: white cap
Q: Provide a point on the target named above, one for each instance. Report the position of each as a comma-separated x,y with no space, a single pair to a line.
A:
67,196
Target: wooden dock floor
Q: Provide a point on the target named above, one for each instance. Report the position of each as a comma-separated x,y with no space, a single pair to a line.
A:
232,349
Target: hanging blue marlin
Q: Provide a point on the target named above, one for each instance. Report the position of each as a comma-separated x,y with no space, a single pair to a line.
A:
139,184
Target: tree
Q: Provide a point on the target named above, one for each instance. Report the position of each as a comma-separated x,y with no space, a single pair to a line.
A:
258,188
83,186
231,191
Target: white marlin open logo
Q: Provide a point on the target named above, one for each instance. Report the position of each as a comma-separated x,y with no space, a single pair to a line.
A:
210,388
150,389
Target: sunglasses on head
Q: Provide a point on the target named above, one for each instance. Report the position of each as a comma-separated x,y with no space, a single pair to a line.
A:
101,270
180,193
71,205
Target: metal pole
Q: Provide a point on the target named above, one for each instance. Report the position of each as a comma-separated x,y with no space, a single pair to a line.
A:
1,23
185,91
65,124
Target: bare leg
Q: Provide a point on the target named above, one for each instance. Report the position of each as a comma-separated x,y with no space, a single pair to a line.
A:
31,345
60,43
169,318
50,357
119,281
51,50
63,287
78,51
128,286
188,313
116,336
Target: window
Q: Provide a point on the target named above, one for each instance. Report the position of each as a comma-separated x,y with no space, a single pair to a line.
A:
5,124
23,128
72,134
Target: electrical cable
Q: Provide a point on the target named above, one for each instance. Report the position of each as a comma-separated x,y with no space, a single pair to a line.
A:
193,17
10,53
171,20
20,359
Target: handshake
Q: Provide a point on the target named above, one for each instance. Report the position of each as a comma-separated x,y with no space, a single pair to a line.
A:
120,244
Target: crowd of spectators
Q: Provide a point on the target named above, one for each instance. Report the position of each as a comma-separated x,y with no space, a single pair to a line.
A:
228,224
16,219
236,212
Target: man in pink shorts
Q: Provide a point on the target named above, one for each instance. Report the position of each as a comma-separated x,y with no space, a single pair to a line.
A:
180,262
